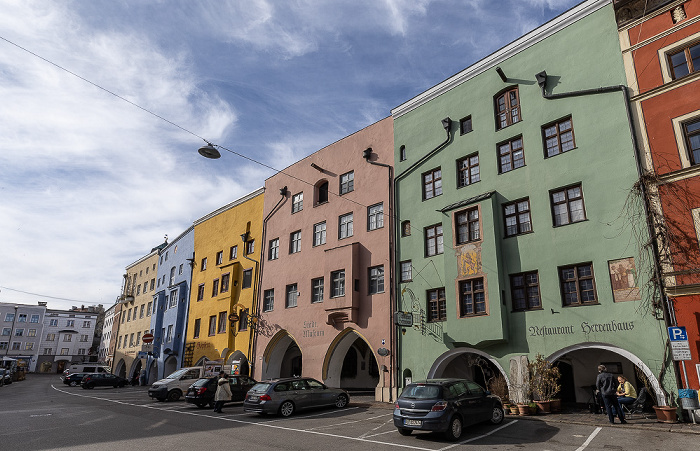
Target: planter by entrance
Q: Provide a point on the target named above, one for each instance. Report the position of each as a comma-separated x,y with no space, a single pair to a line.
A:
665,414
543,406
514,409
555,405
524,409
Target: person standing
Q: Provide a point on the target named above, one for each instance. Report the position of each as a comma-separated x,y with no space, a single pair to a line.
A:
607,386
223,392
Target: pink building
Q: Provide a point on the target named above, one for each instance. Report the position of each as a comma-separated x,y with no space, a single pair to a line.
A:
326,290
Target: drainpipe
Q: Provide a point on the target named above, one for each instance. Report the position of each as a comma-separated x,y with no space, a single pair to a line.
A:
668,310
367,154
447,125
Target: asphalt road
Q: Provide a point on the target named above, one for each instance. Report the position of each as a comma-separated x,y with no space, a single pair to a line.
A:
41,413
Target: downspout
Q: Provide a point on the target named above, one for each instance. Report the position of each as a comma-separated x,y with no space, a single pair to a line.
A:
447,125
256,305
668,310
367,154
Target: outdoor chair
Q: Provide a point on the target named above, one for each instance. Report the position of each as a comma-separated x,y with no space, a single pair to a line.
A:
637,407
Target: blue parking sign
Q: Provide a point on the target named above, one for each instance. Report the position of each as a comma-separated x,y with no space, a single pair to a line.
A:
677,334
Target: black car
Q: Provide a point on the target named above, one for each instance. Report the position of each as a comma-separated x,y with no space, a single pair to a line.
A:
102,380
202,392
445,405
5,376
73,379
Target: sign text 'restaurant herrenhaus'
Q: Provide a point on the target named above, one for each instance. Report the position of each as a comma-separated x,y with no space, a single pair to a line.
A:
586,328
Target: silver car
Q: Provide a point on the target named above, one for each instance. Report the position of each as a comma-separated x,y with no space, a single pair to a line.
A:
285,396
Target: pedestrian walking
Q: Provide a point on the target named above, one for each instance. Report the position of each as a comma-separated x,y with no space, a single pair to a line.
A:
223,392
607,386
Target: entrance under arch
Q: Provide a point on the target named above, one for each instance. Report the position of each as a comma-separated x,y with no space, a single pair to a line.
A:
239,363
584,359
120,369
136,371
468,363
61,366
153,372
170,365
282,358
46,367
350,363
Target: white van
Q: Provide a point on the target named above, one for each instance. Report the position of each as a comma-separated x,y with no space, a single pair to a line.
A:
86,368
176,384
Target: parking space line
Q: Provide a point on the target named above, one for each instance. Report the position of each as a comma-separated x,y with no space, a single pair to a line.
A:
309,416
345,422
253,423
589,439
367,434
480,436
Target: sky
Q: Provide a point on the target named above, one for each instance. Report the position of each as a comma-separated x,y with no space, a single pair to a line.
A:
104,103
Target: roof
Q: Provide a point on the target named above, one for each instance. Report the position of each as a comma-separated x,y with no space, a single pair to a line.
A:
469,201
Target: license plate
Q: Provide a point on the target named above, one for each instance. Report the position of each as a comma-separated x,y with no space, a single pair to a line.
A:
252,398
412,422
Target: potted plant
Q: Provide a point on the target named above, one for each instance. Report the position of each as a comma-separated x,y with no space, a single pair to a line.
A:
499,386
532,407
544,381
664,414
514,409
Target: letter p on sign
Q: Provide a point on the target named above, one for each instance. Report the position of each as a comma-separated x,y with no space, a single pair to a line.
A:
677,334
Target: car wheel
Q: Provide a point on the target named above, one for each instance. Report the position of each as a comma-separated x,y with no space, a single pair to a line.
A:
122,384
341,401
115,385
201,405
73,383
90,386
287,408
405,432
454,431
497,415
173,395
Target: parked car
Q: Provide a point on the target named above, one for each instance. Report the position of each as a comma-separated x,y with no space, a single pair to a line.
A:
73,379
5,376
102,380
445,405
202,392
175,384
285,396
85,368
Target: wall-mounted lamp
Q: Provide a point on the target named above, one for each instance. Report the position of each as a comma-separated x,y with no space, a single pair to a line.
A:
541,79
244,237
367,153
447,123
501,74
284,191
209,151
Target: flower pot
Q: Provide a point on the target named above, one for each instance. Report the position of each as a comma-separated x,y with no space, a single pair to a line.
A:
523,409
514,409
555,405
533,409
665,414
543,406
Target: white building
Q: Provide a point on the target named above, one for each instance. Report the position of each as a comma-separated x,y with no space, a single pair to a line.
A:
103,354
21,333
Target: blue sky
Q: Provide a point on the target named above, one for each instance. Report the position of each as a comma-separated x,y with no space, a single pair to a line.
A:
90,183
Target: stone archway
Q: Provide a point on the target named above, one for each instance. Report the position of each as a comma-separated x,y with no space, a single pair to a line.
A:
153,372
455,363
350,362
120,369
170,365
606,347
239,363
282,357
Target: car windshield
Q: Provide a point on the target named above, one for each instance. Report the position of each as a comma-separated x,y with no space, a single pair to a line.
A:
260,387
176,374
420,391
200,382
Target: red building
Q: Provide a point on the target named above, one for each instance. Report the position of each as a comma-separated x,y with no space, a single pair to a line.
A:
660,43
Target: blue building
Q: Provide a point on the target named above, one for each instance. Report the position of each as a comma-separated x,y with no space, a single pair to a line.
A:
170,306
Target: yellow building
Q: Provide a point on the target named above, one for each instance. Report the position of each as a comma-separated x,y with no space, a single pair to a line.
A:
140,283
227,244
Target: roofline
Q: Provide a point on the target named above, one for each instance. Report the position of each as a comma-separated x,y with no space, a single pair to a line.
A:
142,259
535,36
188,230
235,203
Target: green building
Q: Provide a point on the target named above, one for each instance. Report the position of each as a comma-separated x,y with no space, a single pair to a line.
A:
519,232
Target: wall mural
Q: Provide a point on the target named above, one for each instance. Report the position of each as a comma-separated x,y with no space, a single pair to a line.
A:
623,279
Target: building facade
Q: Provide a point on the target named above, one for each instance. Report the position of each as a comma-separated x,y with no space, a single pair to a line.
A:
520,233
22,328
170,306
103,353
660,43
325,305
68,337
224,275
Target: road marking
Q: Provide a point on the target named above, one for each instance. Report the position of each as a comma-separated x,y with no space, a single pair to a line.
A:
252,423
309,416
345,422
380,433
480,436
42,415
589,439
366,434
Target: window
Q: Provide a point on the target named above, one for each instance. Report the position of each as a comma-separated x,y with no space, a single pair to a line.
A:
685,61
48,351
691,130
212,325
375,216
320,233
406,228
268,300
28,346
437,307
138,338
128,316
472,297
6,330
81,351
32,333
567,206
433,240
9,316
250,247
467,225
179,271
577,284
406,271
292,294
525,291
3,344
138,290
233,253
204,264
465,125
243,322
153,283
376,280
219,258
197,326
507,108
432,184
173,302
322,192
558,137
145,284
222,322
143,306
274,249
295,242
155,305
402,153
517,217
200,292
511,155
64,351
17,345
297,202
67,337
317,290
34,319
148,309
53,322
215,287
468,170
22,318
347,182
20,332
71,322
247,278
338,283
345,226
225,282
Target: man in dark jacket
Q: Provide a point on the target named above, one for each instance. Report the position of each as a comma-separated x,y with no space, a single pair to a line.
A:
607,385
